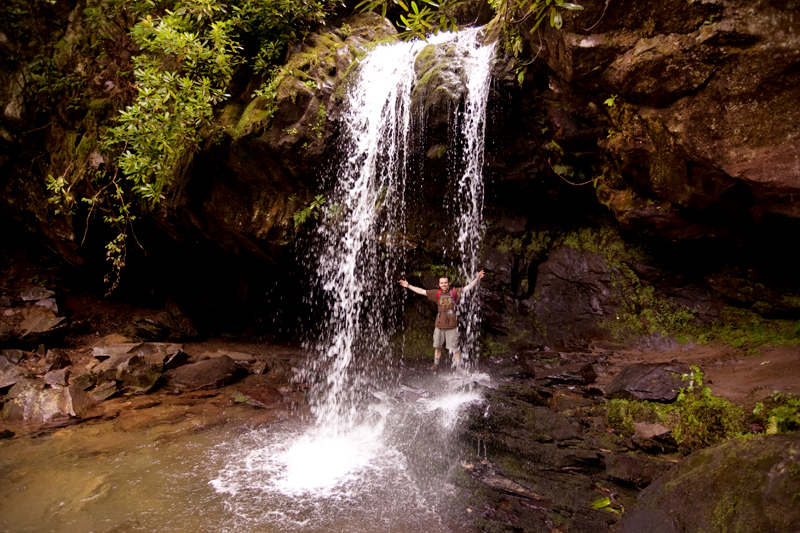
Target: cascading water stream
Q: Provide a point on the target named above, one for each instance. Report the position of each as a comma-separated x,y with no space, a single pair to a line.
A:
376,445
357,248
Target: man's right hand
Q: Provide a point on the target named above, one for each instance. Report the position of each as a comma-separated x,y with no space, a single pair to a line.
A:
404,283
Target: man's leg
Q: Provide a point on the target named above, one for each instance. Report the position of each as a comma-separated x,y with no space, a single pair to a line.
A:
438,341
452,345
437,354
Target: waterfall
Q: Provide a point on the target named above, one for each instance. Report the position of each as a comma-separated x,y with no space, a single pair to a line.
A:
380,452
358,246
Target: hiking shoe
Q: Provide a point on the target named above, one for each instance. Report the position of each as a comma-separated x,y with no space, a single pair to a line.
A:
434,367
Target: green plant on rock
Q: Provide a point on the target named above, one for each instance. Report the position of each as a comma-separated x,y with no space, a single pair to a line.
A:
416,21
189,58
190,50
746,329
512,14
705,419
301,215
698,418
641,309
781,413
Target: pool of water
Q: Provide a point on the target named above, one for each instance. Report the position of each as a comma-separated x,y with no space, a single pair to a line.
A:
390,474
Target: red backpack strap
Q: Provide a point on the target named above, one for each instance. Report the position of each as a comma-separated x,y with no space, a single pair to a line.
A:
454,294
438,294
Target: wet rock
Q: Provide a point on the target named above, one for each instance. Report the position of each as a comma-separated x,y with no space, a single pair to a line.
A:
13,356
34,406
114,350
5,301
113,338
236,356
643,430
103,391
6,332
176,359
751,482
37,328
208,374
263,397
635,468
259,367
441,84
580,373
168,325
139,374
57,378
49,304
486,476
55,359
23,385
82,381
80,401
136,367
658,382
34,294
9,375
658,71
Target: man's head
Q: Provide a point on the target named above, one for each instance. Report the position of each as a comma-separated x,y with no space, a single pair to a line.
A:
444,283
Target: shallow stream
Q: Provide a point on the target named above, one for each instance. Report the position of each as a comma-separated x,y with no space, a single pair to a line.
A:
391,474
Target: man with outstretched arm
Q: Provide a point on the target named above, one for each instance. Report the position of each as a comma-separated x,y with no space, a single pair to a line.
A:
445,332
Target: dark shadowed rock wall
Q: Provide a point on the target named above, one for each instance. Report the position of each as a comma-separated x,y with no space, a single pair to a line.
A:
647,165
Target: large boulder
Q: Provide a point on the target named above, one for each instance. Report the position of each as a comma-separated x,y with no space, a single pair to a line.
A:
659,382
207,374
747,484
33,404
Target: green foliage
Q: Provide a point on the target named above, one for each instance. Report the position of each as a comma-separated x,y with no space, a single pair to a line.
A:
611,100
444,271
743,328
705,419
318,127
431,18
698,419
189,55
313,209
511,14
189,58
781,413
190,50
608,504
622,414
60,195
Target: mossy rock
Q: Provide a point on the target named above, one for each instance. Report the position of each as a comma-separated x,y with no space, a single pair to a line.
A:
441,84
744,485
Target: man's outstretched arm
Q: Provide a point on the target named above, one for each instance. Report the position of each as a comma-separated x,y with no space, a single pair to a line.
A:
409,286
474,281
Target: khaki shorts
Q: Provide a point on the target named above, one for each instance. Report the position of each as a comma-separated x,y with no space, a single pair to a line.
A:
446,337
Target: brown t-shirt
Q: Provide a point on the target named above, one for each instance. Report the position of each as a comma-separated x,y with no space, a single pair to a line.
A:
446,317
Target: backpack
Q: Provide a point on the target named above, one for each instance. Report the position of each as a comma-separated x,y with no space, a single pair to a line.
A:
452,293
448,319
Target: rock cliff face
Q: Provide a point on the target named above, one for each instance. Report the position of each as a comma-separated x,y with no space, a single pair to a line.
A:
680,120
